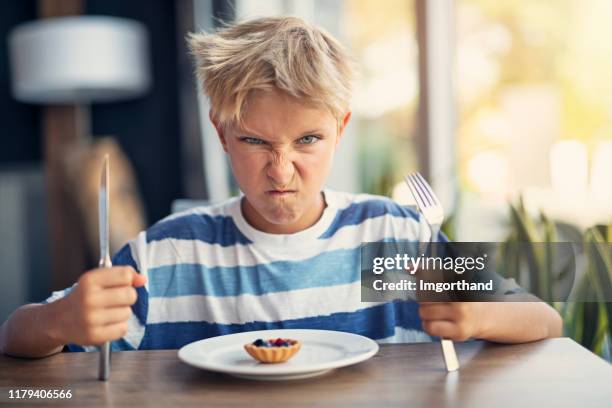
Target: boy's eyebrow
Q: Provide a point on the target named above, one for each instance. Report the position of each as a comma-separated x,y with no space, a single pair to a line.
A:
250,133
310,132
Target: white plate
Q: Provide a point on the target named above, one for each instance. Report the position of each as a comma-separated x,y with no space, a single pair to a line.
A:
322,351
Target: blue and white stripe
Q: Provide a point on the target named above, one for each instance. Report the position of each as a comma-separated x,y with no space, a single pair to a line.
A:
208,274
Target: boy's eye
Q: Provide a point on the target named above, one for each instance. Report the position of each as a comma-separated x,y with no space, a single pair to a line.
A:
252,140
310,139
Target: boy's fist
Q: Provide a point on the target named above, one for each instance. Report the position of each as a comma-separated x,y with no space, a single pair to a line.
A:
98,308
457,321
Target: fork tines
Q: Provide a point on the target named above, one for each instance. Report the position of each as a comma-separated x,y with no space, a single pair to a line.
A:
421,191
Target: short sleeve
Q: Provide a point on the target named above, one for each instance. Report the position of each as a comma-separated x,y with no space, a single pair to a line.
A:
136,324
58,294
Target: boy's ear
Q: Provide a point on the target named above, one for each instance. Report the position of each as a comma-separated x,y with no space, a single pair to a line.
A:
342,126
219,130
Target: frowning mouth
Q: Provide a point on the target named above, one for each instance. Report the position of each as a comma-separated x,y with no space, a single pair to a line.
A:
280,193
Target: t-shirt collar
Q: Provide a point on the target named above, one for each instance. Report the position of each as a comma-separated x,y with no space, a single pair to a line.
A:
301,238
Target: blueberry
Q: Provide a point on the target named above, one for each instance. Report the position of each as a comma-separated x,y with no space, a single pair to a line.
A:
259,343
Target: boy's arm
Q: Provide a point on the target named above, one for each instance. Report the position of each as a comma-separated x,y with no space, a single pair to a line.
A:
96,311
33,331
518,322
504,322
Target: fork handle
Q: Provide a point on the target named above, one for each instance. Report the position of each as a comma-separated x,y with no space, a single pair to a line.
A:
450,355
448,347
435,232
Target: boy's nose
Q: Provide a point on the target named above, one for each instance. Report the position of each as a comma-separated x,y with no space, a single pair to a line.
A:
281,170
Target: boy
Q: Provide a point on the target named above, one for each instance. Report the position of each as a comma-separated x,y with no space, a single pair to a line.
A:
284,255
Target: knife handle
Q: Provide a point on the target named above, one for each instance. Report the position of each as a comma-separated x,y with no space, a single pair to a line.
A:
104,363
105,262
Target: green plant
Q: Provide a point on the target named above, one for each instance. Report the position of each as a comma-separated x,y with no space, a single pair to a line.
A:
532,255
532,247
599,274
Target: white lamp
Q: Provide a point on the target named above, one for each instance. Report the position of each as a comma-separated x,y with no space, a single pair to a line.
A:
81,59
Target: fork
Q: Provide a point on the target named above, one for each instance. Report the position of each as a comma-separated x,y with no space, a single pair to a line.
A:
432,211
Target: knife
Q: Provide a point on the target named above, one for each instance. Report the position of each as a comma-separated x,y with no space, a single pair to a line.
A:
105,261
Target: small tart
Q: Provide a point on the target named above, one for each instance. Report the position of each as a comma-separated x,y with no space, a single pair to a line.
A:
273,354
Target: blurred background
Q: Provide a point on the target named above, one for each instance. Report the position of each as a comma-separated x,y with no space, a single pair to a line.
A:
505,107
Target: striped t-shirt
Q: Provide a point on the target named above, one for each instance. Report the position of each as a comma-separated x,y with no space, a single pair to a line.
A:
210,273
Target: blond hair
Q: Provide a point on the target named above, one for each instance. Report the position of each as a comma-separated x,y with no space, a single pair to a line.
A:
285,53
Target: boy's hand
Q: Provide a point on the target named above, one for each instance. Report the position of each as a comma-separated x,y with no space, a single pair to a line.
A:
456,321
98,308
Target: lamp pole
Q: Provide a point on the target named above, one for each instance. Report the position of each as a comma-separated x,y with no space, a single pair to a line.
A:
63,127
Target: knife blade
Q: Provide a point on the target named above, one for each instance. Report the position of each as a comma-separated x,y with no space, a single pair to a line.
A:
105,261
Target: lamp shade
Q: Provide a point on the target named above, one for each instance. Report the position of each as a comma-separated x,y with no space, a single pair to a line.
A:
79,59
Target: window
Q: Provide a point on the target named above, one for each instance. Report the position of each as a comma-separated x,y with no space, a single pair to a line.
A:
534,110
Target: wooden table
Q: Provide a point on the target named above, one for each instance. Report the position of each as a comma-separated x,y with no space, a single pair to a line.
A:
556,372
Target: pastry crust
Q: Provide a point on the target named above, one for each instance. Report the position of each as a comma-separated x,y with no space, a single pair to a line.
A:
274,354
